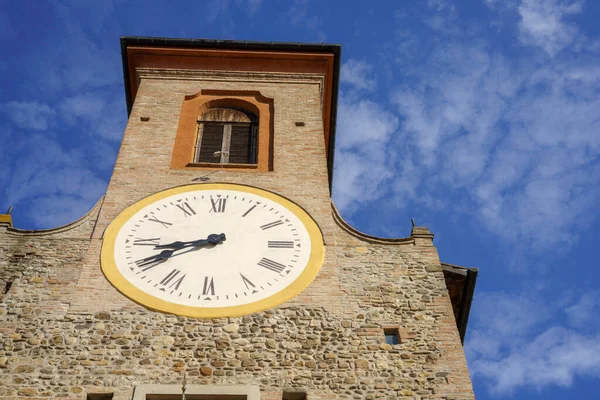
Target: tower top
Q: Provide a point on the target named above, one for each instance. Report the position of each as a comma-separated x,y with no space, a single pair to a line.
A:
231,55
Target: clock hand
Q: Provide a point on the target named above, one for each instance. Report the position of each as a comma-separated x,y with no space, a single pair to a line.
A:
212,239
162,256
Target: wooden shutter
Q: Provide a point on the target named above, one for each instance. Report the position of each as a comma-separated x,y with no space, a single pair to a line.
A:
211,142
239,148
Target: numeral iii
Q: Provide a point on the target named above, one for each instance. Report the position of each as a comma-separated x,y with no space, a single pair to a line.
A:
281,244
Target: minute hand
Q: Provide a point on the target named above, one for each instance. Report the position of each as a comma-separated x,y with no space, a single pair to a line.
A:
213,240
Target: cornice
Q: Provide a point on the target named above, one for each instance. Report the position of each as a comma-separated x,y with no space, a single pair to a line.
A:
220,75
93,212
363,236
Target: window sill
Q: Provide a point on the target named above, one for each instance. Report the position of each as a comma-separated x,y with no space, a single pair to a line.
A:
219,165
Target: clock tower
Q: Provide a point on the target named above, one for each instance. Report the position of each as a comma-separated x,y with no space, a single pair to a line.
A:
217,253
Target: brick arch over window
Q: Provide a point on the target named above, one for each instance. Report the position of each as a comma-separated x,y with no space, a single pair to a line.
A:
215,104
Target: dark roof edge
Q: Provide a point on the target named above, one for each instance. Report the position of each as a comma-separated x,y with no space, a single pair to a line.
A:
467,296
336,49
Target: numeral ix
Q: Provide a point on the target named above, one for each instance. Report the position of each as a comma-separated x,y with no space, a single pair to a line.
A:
146,242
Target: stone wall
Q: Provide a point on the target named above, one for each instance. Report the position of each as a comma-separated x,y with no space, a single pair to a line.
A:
337,348
65,331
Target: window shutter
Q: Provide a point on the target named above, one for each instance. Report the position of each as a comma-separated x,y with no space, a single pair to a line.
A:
212,140
239,149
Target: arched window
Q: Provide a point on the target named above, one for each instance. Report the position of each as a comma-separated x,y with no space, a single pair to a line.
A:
227,136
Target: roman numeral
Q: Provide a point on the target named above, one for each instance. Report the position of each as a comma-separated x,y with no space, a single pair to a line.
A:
250,209
146,242
247,282
271,225
272,265
209,286
172,275
281,244
186,208
163,223
217,205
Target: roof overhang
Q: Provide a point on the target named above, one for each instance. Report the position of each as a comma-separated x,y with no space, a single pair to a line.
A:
460,282
204,54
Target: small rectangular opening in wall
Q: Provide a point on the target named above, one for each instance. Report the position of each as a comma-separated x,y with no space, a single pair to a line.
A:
392,335
293,395
99,396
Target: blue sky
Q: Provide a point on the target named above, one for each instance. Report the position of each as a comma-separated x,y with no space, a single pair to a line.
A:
480,119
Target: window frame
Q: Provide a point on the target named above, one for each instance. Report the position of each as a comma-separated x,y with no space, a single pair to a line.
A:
227,132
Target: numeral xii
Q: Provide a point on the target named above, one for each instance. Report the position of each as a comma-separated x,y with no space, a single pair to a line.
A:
217,205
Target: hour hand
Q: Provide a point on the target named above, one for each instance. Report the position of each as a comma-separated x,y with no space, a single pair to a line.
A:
212,239
216,239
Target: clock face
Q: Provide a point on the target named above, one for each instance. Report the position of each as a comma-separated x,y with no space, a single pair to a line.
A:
212,250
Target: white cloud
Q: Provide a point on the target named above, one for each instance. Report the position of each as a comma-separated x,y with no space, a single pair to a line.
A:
298,14
516,341
86,106
513,142
510,315
82,60
553,358
584,313
358,74
252,5
364,130
97,113
543,24
30,114
46,174
58,210
516,145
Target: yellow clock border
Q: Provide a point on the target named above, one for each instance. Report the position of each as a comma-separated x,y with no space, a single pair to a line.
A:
111,272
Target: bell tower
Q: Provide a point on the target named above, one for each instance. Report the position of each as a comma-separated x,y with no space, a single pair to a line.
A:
217,251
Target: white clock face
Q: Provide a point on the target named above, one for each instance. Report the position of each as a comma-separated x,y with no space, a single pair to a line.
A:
213,247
